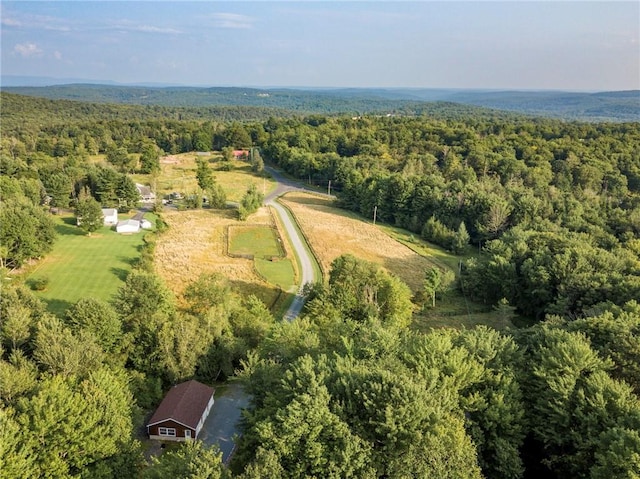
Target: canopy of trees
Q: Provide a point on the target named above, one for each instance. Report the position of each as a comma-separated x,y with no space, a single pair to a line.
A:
349,389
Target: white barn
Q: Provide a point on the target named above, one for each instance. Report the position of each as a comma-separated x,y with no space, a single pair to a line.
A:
110,216
128,226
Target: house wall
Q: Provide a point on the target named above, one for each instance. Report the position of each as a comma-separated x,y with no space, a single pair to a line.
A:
154,431
203,418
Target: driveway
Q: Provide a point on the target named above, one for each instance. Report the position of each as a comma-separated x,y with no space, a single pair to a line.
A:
306,260
224,418
223,422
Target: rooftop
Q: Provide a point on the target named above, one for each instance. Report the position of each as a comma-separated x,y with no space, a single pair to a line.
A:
184,403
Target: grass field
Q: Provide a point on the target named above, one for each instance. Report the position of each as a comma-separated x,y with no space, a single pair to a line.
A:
332,232
85,266
196,243
279,273
260,241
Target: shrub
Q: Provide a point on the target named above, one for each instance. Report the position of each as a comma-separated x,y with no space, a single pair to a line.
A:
40,284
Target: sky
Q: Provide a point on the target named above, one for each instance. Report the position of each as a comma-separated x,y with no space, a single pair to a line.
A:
561,45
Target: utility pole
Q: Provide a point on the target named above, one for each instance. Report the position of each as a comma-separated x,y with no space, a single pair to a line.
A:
375,213
329,188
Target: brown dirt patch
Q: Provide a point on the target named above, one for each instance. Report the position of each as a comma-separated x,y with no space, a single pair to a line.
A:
333,232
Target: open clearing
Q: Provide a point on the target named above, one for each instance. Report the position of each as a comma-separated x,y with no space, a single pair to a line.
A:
332,232
196,243
179,174
260,241
85,266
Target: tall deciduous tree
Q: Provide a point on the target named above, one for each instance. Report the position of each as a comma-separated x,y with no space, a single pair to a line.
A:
99,319
437,281
89,215
251,201
27,232
204,175
150,159
192,460
73,425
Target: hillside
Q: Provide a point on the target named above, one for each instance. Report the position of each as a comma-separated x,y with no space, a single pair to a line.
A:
603,106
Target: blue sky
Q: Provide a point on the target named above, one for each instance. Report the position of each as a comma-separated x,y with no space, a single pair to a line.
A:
571,45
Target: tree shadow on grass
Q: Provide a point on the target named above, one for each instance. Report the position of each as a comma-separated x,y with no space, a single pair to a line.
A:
121,273
130,260
69,228
57,306
267,294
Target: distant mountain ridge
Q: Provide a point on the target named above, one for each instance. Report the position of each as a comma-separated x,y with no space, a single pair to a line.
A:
599,106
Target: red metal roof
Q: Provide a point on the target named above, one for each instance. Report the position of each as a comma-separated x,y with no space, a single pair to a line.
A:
184,403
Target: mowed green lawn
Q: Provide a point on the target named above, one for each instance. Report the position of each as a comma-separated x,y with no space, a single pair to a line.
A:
264,244
260,241
278,272
85,266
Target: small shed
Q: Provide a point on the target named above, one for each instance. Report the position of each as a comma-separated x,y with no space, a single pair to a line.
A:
182,412
128,226
146,224
110,216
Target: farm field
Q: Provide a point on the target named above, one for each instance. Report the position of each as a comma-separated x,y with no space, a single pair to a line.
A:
332,232
85,266
196,243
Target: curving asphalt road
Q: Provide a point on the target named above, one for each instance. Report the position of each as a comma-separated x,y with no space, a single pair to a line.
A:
305,260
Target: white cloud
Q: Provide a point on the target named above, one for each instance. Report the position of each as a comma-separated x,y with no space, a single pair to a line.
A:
27,49
57,55
130,26
152,29
232,20
10,22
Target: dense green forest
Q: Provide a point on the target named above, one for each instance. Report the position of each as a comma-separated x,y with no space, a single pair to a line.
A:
602,106
544,214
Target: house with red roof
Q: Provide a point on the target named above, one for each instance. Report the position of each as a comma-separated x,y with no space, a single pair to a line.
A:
182,412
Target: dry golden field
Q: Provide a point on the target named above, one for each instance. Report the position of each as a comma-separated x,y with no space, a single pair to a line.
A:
333,232
195,243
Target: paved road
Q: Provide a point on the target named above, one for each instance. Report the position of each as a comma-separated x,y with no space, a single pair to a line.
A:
307,271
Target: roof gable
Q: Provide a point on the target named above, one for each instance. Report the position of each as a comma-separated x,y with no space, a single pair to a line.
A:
184,403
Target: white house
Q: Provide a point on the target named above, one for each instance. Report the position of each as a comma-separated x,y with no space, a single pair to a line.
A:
110,216
146,195
128,226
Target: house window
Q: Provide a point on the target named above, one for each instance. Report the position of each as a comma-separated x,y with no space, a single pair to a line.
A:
167,431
